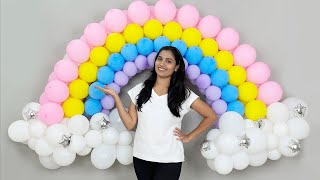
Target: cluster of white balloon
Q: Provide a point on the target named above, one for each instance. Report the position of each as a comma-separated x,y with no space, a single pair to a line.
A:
242,142
57,145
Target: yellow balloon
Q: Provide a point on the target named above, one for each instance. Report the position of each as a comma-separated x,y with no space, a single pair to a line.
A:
224,60
73,106
247,91
172,30
79,89
99,56
255,110
114,42
132,33
152,29
237,75
191,36
209,47
88,71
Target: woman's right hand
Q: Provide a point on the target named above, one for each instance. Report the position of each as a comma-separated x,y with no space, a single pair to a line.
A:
107,90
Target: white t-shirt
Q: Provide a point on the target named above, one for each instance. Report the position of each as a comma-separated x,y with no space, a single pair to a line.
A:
154,138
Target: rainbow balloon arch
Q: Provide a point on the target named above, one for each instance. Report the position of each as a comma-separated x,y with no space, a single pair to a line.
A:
73,118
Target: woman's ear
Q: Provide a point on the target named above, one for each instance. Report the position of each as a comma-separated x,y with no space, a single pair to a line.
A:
177,67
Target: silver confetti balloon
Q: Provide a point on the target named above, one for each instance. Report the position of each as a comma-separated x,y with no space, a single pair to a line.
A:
259,124
294,146
205,145
66,140
300,110
244,141
30,111
104,123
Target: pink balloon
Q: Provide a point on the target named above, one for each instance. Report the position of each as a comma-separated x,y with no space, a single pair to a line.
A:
270,92
56,91
227,39
82,38
52,77
209,26
78,51
139,12
165,11
51,113
152,16
66,71
116,20
128,19
103,23
43,99
244,55
258,73
188,16
95,34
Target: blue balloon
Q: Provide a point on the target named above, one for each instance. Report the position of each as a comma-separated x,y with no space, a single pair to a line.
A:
105,75
161,41
145,46
96,93
229,93
193,55
181,45
236,106
219,77
129,52
92,106
116,61
207,65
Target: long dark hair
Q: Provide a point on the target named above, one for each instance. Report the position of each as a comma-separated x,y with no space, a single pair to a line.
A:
177,92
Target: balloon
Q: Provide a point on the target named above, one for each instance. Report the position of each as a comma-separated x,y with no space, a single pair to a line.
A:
277,112
30,111
98,121
288,146
213,93
110,136
172,30
103,156
139,12
165,11
151,58
207,65
85,151
280,128
298,128
297,107
72,106
115,87
203,81
227,39
115,20
181,46
273,141
240,160
37,129
229,93
125,138
193,72
224,60
211,152
78,51
193,55
145,46
106,74
219,78
209,26
95,34
66,71
219,106
51,113
88,72
18,131
92,106
213,134
79,89
231,122
258,73
48,162
223,164
78,125
247,91
54,134
124,154
99,56
116,121
244,55
63,157
188,16
236,106
93,138
121,78
161,41
228,143
107,102
270,92
255,110
258,140
132,33
130,69
191,36
141,62
43,99
237,75
258,159
42,148
153,29
209,47
56,91
114,42
77,143
129,52
274,155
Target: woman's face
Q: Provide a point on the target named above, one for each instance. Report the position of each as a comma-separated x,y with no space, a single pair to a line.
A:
165,64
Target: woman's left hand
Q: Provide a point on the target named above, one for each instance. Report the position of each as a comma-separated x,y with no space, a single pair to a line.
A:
181,137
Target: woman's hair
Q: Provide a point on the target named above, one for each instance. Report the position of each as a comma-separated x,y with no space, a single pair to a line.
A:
177,92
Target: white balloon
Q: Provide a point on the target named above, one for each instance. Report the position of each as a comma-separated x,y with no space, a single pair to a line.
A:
65,121
240,160
258,140
210,153
48,162
292,103
280,129
103,156
63,157
54,134
274,154
267,126
93,138
273,141
32,143
125,154
210,163
248,123
258,159
86,150
37,128
77,143
32,106
125,138
18,131
78,124
278,112
228,143
110,136
284,148
298,128
213,134
43,148
231,122
116,121
223,164
95,120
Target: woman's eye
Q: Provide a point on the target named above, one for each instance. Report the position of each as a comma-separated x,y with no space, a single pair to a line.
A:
168,61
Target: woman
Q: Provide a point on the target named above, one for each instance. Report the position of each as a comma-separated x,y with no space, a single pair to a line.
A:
157,107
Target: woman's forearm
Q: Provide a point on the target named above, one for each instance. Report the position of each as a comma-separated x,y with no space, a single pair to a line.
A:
123,113
203,126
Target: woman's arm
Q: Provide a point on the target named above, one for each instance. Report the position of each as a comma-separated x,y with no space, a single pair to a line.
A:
209,118
129,118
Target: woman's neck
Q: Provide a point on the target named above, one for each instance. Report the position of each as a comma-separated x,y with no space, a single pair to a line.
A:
162,83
